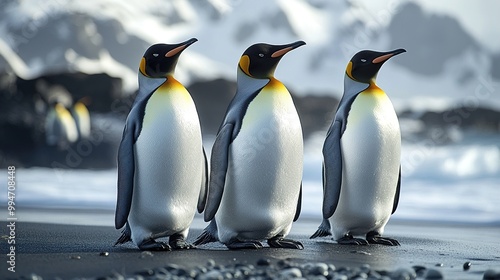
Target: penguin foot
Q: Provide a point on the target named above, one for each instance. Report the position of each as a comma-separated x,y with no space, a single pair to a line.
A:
374,237
237,245
152,245
177,242
350,240
125,237
323,230
208,235
280,242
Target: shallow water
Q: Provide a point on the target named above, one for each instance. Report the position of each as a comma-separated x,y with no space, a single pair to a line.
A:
453,183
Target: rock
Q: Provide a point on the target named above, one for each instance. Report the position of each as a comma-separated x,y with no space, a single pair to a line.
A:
404,274
319,269
211,275
210,263
491,274
419,269
263,262
433,274
291,273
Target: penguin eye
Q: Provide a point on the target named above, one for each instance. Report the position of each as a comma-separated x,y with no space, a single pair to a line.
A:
363,60
155,55
261,55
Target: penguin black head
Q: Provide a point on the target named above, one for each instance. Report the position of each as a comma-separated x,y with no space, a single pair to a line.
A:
260,60
160,60
365,65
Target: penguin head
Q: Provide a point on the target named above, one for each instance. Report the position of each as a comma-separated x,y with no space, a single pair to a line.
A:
260,60
365,65
160,60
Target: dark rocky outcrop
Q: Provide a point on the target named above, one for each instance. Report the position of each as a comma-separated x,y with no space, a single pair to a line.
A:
24,105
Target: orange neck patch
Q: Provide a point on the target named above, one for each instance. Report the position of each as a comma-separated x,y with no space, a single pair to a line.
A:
373,88
275,85
171,83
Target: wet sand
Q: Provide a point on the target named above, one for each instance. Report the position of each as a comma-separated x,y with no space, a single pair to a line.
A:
69,251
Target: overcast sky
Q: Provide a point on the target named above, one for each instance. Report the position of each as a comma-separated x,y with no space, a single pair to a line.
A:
479,18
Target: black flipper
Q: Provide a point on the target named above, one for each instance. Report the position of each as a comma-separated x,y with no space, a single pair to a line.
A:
332,169
398,189
299,205
202,199
126,169
219,164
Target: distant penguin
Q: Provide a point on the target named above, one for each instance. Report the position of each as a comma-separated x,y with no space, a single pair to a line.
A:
60,127
361,168
256,164
82,119
162,168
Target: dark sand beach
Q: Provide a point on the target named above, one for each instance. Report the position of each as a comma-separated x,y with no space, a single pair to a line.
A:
67,251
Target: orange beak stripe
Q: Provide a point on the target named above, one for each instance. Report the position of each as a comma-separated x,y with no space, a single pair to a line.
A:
281,52
382,58
175,51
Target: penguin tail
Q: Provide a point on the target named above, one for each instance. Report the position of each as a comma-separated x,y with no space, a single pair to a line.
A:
208,235
125,237
323,230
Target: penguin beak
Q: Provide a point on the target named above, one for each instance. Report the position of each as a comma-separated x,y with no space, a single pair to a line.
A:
385,56
283,49
180,47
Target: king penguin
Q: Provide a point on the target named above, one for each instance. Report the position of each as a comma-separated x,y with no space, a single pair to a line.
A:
162,167
361,167
60,127
256,165
82,118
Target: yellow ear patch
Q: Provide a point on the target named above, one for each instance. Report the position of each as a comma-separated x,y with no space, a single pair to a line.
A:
348,70
142,67
245,64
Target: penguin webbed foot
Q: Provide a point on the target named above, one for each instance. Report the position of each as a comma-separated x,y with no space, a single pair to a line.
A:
350,240
280,242
177,242
208,235
374,237
323,230
248,244
125,237
152,245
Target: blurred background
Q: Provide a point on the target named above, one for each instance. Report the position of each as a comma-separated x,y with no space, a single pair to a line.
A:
68,76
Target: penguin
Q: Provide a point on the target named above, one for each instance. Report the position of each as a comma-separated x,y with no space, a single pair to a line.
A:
60,127
82,119
361,158
162,167
255,184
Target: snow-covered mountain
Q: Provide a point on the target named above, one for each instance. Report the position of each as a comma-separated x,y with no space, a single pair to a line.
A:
445,65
